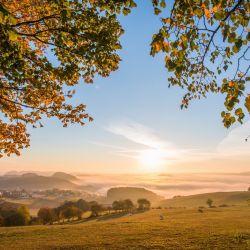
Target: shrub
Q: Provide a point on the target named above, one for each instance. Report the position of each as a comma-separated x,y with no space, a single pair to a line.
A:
143,204
18,217
83,205
96,209
224,205
209,202
46,215
23,210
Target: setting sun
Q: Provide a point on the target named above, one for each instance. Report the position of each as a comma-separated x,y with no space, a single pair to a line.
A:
151,159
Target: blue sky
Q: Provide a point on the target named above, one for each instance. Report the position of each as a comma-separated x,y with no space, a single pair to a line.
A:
135,97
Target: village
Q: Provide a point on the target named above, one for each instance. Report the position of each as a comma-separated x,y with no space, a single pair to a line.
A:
17,193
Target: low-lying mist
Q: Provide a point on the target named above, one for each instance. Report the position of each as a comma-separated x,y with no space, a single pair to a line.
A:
169,185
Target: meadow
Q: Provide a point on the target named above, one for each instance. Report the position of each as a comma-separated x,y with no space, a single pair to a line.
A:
182,228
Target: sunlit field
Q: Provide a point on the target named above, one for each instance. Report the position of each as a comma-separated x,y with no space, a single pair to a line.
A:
215,228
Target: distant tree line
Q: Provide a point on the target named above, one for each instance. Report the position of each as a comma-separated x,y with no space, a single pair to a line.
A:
128,206
69,210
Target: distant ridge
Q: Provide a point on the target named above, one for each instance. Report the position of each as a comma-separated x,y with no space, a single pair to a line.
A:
64,176
11,173
5,205
133,193
32,181
219,198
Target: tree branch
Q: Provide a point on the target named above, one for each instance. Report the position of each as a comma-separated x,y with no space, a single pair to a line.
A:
35,21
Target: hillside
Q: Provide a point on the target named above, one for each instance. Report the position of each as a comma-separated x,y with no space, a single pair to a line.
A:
182,229
219,198
64,176
5,205
32,181
133,193
38,203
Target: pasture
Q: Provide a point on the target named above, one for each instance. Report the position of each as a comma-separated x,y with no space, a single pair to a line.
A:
215,228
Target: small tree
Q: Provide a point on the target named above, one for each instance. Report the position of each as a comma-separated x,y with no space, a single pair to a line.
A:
116,206
143,204
209,202
96,209
128,205
46,215
67,213
15,218
23,211
83,205
76,212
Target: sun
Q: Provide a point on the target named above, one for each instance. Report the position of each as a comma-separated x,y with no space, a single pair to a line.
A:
151,160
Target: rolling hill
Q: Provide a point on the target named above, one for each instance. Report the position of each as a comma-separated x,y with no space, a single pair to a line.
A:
5,205
133,193
219,198
64,176
31,181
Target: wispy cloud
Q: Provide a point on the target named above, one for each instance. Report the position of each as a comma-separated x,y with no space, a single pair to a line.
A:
138,133
149,145
155,147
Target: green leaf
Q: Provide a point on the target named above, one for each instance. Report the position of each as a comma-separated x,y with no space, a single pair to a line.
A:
218,16
157,11
1,17
247,103
163,4
235,49
198,12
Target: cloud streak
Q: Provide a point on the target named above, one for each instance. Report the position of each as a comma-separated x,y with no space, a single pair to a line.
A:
154,145
138,133
148,146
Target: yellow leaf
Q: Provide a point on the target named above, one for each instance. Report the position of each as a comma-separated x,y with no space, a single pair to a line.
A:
157,47
216,8
247,102
167,58
12,35
166,20
240,74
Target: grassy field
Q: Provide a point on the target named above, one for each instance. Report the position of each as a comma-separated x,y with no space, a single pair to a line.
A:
216,228
219,198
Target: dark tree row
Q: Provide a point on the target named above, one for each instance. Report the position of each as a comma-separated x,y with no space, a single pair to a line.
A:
127,205
69,210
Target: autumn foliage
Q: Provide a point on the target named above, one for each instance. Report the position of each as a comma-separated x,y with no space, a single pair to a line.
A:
82,35
204,41
206,47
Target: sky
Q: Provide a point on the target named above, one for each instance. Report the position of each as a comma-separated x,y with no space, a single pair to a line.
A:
138,125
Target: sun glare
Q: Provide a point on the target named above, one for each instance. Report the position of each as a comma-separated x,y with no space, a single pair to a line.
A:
151,160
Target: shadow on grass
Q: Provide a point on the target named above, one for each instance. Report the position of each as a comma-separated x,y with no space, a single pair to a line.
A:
105,217
111,216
